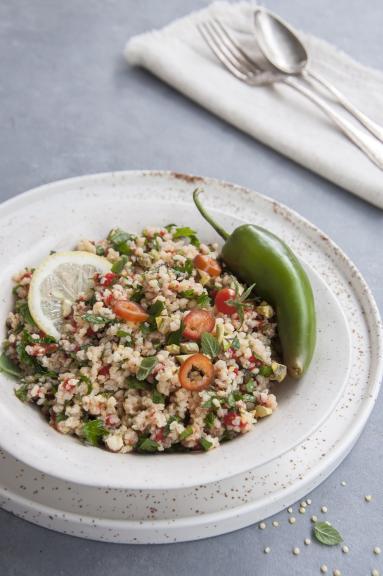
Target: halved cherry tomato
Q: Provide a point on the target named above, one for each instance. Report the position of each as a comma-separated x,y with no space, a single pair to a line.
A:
130,311
197,322
220,301
207,264
196,373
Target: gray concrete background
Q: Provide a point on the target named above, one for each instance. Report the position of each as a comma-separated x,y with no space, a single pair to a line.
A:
71,106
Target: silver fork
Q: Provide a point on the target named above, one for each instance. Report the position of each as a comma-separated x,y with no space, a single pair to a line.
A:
228,51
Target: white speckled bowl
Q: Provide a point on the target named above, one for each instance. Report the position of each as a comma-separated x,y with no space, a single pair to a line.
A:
55,217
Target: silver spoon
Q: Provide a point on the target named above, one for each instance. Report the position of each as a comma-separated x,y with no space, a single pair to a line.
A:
283,49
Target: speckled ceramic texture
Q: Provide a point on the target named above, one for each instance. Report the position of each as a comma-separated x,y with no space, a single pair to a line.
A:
173,515
134,201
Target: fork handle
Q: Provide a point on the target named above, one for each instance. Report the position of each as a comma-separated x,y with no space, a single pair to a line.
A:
369,145
372,126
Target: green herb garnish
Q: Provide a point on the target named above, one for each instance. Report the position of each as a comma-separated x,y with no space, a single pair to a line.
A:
326,534
146,367
167,427
203,301
135,384
23,309
240,300
190,294
175,337
186,433
122,334
157,397
210,345
265,371
232,398
93,431
156,308
210,420
147,327
22,392
119,265
7,366
206,445
187,268
119,239
168,227
93,319
147,445
250,385
60,417
87,381
138,294
187,232
235,343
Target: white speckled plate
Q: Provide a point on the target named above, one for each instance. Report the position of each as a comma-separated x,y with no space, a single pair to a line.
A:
206,510
89,207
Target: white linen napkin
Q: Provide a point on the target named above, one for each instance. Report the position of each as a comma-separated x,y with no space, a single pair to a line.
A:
275,114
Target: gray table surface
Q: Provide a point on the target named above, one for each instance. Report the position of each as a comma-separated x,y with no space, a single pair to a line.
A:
71,106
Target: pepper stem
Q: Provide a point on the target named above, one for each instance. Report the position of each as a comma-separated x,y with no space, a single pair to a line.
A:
207,216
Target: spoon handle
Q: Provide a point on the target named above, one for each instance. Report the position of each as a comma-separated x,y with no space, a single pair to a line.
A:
368,144
372,126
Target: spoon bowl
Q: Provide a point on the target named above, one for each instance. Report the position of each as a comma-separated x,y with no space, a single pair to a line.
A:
279,43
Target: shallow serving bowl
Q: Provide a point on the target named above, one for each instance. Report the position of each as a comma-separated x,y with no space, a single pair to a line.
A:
55,217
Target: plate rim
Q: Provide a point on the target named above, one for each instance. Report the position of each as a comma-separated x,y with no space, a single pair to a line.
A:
371,309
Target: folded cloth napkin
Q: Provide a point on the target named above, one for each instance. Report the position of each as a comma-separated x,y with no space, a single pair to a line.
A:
274,114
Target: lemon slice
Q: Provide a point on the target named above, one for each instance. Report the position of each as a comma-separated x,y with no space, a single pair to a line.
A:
58,282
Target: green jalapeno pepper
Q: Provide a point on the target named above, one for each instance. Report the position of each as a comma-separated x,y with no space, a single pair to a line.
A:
259,257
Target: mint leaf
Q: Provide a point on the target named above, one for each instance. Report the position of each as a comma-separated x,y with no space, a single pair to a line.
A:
137,294
156,308
326,534
168,227
210,345
235,343
93,431
175,337
157,397
119,265
146,367
135,384
118,238
22,393
7,366
187,232
147,445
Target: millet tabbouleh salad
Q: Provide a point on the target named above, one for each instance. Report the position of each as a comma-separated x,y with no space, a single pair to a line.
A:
165,351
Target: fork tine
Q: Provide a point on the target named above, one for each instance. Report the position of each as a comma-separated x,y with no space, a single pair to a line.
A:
230,48
232,42
223,55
